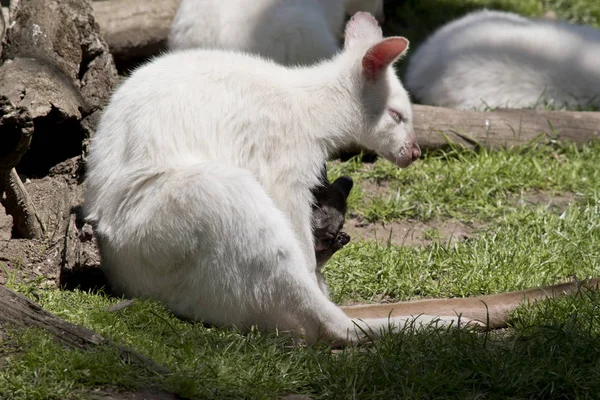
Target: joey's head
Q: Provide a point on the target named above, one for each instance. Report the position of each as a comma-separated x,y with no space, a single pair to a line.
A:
386,112
329,212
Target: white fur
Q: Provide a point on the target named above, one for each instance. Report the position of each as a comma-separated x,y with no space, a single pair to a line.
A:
291,32
200,172
501,59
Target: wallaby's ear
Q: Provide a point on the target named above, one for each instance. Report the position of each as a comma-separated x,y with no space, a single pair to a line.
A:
382,55
344,184
362,27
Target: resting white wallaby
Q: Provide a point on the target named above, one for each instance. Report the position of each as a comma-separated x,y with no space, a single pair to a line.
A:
200,174
500,59
290,32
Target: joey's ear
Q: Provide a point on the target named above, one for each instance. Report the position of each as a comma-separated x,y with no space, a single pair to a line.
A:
381,55
344,184
362,27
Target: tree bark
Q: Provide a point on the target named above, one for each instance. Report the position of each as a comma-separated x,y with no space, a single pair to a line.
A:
17,310
56,76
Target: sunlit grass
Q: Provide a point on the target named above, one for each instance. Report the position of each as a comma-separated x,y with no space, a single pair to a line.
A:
468,185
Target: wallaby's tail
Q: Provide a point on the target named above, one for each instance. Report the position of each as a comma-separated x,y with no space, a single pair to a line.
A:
493,311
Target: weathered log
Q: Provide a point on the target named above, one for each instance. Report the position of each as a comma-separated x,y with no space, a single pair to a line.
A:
18,311
135,29
56,76
436,126
64,35
78,266
16,126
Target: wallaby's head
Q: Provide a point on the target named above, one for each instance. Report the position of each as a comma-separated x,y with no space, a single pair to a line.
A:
386,124
375,7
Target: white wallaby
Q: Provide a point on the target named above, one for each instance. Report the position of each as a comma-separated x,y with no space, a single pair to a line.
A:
500,59
291,32
200,175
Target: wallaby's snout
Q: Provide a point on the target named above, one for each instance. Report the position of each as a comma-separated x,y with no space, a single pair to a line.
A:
415,152
409,154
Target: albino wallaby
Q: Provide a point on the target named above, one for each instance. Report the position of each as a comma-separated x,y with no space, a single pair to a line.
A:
291,32
499,59
200,175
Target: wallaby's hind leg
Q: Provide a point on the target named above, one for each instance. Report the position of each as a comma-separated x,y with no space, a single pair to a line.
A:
208,241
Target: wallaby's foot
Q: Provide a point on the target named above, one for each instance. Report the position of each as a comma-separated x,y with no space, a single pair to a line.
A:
341,240
326,248
332,245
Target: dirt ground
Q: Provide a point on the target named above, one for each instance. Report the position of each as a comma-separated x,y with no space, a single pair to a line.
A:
412,232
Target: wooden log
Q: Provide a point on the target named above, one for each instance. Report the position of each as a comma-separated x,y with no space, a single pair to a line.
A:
17,310
64,36
16,126
56,77
436,126
135,29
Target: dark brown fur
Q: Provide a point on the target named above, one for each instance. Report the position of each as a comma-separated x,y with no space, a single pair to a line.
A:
329,213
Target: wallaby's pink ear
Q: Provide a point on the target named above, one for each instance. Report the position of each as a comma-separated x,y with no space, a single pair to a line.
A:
362,26
382,55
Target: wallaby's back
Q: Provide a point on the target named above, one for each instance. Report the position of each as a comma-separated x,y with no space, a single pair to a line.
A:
291,32
500,59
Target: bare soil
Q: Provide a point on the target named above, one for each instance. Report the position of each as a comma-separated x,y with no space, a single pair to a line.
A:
412,232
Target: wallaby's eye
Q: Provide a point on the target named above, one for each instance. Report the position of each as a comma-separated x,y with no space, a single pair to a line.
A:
397,116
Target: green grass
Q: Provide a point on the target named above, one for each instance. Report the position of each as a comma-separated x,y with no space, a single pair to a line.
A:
470,185
525,249
552,351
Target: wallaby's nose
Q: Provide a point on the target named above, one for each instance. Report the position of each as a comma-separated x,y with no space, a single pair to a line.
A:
416,152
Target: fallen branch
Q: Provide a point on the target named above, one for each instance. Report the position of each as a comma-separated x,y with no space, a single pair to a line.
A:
26,220
493,311
18,311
